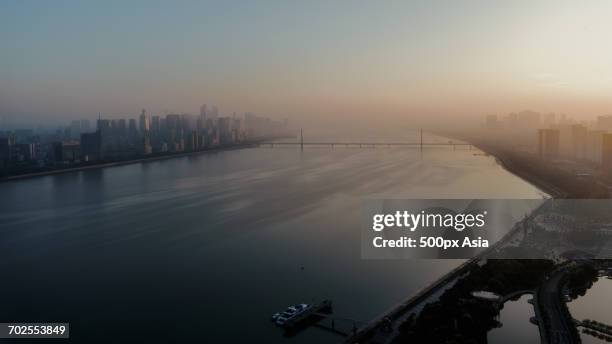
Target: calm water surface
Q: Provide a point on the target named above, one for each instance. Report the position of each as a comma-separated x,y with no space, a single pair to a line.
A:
594,305
516,327
208,247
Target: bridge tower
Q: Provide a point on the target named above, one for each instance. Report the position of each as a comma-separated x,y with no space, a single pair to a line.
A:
421,138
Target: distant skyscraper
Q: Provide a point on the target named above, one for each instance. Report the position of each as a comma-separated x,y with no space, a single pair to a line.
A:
5,149
203,112
174,132
548,143
155,124
103,125
214,113
91,145
594,144
106,137
606,152
75,129
122,126
173,122
579,140
225,134
143,124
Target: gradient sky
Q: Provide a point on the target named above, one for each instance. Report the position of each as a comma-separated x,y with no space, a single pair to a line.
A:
351,59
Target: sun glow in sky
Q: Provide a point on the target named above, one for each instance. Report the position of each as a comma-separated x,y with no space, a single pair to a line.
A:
309,58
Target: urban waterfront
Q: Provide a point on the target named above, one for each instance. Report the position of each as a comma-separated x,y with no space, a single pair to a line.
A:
209,246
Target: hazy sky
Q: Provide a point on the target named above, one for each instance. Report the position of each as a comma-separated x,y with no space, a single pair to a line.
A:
297,58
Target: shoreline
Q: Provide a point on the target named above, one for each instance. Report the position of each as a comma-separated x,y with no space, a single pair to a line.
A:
507,165
396,312
506,162
128,162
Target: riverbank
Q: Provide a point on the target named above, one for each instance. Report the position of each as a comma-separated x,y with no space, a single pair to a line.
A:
544,175
508,161
509,164
377,330
131,161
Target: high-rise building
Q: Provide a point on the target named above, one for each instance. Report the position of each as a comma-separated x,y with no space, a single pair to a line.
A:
187,123
5,148
155,124
75,129
191,141
66,151
131,125
122,130
143,122
548,143
91,145
225,133
173,122
24,152
203,113
106,137
163,126
606,152
146,147
594,143
566,147
579,138
174,133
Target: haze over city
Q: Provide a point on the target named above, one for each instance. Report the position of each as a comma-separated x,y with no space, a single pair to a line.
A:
306,171
306,61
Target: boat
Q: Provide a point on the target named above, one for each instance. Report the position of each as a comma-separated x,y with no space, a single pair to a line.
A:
280,318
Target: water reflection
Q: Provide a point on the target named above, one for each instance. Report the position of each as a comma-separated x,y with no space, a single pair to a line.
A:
515,325
212,241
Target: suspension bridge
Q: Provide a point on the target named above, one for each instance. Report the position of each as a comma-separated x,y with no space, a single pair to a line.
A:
364,144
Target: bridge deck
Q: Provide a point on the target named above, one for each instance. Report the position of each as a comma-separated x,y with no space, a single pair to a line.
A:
368,144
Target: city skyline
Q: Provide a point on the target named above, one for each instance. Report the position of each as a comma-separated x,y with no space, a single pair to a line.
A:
313,60
405,171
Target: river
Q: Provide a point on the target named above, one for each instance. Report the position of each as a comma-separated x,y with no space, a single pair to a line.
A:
207,247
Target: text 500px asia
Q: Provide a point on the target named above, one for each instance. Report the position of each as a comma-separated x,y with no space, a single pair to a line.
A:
437,242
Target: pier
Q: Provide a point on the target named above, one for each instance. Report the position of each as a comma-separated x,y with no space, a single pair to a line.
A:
320,316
